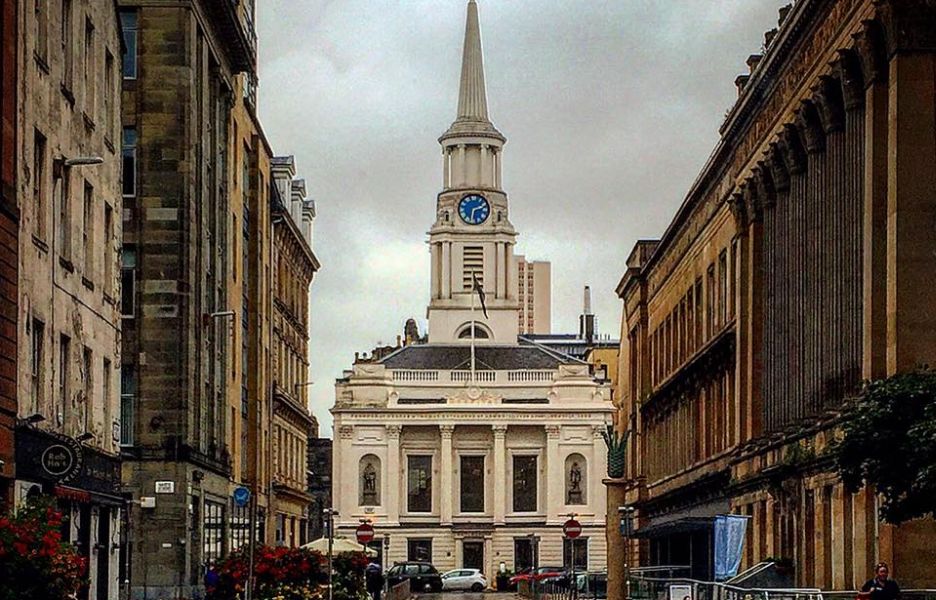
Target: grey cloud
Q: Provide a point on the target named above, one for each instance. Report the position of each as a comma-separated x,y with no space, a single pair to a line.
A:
611,108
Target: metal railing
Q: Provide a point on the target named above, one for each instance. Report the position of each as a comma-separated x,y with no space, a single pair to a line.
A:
653,588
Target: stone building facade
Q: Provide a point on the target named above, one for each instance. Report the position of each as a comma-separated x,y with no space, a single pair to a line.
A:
294,266
251,251
534,296
9,243
796,268
472,448
181,399
68,175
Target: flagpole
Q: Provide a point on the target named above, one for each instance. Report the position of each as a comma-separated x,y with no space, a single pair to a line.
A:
474,290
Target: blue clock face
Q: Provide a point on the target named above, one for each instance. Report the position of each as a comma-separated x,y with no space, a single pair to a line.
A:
474,209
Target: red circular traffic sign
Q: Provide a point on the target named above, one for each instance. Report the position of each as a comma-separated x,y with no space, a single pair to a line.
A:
572,529
364,533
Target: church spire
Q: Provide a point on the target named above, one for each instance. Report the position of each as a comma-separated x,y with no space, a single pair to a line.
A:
472,97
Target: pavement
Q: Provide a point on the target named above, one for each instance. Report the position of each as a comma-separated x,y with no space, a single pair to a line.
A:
467,596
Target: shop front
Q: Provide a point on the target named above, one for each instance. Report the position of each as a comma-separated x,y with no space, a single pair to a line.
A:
84,483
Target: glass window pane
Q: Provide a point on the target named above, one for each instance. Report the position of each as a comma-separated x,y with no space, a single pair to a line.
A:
524,484
472,484
419,483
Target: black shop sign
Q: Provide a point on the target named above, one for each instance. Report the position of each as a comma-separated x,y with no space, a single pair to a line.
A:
46,456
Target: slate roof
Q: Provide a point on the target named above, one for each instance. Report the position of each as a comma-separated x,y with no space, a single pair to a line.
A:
444,357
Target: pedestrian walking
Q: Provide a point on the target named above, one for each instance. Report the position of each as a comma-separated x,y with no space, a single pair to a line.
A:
374,580
880,587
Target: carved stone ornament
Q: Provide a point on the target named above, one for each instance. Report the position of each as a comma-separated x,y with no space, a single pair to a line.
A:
909,25
830,105
778,169
394,431
848,69
872,52
346,432
552,432
765,186
752,203
474,395
810,127
793,150
738,209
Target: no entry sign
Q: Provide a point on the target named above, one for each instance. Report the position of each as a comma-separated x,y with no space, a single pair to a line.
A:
364,533
572,529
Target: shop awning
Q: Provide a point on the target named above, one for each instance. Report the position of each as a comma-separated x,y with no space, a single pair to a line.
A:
696,518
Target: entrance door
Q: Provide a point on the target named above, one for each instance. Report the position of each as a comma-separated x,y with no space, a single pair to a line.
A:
103,554
473,555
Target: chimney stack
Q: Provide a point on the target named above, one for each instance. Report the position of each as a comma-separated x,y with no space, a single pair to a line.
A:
588,310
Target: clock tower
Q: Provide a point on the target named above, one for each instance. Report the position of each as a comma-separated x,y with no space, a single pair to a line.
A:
472,236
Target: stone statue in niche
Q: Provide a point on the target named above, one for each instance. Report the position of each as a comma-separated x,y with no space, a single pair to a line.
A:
575,484
369,485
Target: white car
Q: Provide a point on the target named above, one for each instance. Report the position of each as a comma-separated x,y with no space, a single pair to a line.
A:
464,579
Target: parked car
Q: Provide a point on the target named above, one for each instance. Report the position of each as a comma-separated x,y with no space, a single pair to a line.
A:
537,574
422,576
464,579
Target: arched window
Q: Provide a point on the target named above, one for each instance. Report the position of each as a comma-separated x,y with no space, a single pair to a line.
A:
576,479
369,478
481,333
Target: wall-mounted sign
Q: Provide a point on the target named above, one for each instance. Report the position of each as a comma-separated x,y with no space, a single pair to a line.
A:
241,496
165,487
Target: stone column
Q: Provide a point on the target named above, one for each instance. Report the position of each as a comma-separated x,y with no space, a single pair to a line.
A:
483,167
597,493
911,193
497,168
462,166
500,265
446,270
446,169
436,271
394,475
446,484
554,479
500,473
489,563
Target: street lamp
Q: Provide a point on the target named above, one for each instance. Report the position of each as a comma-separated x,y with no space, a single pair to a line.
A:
330,514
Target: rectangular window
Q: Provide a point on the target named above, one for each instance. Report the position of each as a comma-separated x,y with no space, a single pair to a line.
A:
87,390
472,265
418,550
109,92
36,366
129,153
128,269
214,532
575,553
38,183
87,231
63,372
89,68
524,484
64,217
42,30
723,288
472,484
710,302
523,554
68,45
106,405
108,250
128,393
419,483
128,23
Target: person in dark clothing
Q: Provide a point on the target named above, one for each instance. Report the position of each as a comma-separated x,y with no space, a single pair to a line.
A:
880,588
374,580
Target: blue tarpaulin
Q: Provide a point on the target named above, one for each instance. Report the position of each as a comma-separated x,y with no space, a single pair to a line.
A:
729,544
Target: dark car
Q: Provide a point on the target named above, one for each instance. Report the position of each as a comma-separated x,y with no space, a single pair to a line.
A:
422,576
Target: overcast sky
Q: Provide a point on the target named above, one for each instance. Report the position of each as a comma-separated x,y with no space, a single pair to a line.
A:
610,107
